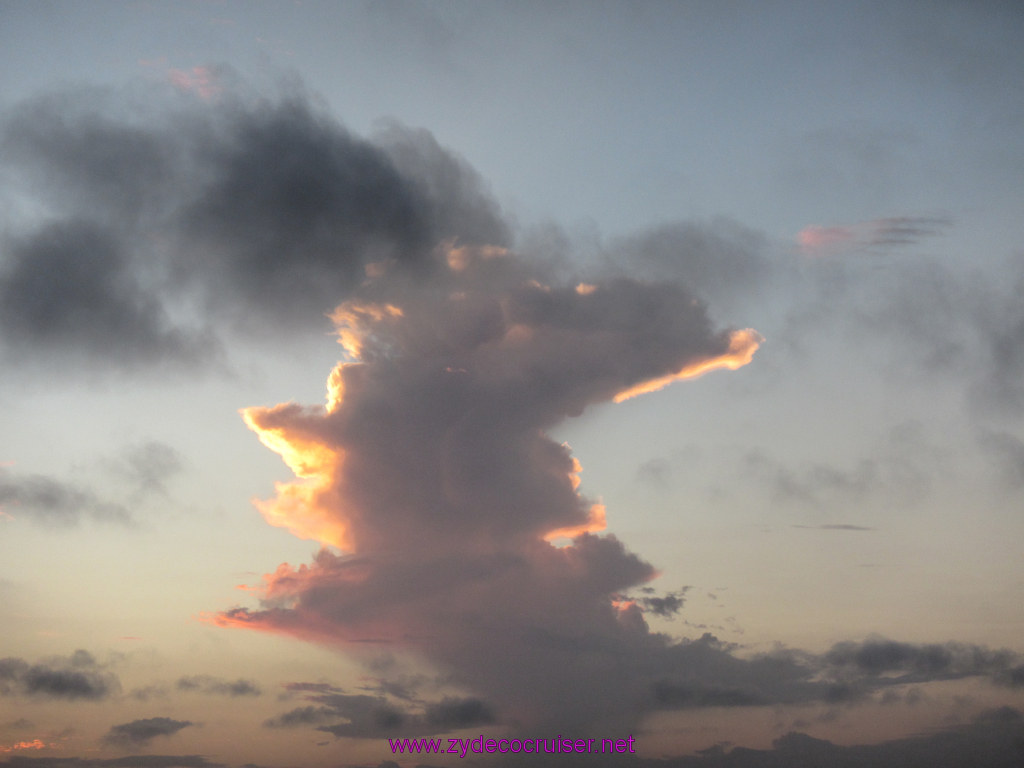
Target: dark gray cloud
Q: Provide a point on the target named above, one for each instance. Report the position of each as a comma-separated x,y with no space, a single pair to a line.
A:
366,716
76,677
452,714
165,221
898,663
309,715
138,733
67,288
369,717
48,501
216,686
707,672
666,606
456,199
294,209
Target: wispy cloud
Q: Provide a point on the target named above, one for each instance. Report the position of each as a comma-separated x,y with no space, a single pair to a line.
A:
200,79
216,686
49,501
875,235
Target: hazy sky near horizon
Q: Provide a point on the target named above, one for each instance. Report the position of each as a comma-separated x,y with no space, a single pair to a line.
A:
227,539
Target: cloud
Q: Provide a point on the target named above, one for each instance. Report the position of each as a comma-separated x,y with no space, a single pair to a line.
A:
66,288
20,745
77,677
431,468
902,468
48,501
877,235
202,80
995,739
142,232
138,733
150,465
309,715
216,686
376,716
665,606
897,663
720,260
132,761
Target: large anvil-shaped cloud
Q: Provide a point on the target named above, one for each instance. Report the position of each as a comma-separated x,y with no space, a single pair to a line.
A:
430,466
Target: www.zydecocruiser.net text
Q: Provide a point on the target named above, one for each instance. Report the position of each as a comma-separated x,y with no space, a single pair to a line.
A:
463,747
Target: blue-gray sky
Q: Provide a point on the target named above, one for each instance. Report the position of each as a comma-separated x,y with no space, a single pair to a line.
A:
510,215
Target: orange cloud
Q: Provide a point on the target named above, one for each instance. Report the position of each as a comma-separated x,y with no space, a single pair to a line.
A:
815,240
307,507
34,744
742,346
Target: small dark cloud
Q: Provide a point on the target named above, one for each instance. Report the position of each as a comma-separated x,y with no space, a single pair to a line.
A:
216,686
148,692
138,733
655,471
77,677
312,688
47,501
309,715
666,606
682,696
367,717
378,716
150,465
451,714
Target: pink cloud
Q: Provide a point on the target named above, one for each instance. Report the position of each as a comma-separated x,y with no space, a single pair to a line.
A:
201,80
430,467
876,234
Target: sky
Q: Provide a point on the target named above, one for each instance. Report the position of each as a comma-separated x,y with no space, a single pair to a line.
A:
442,370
